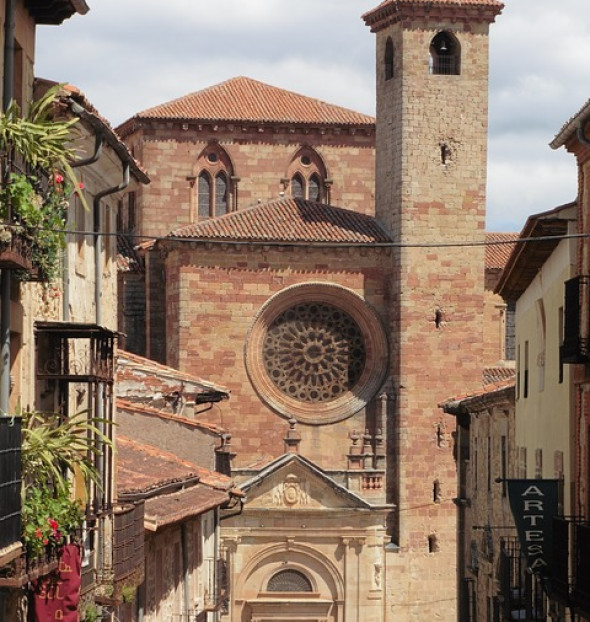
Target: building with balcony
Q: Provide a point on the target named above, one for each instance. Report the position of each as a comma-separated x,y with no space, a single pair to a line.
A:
62,330
572,585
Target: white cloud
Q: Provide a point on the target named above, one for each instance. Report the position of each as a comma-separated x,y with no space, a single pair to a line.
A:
127,56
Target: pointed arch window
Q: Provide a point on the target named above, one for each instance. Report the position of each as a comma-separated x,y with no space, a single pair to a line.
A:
216,184
306,177
204,195
445,55
221,194
297,187
314,192
389,59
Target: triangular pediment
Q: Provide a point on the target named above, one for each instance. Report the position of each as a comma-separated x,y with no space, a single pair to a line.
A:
294,483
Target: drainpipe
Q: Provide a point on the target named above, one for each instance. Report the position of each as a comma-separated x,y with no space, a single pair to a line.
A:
98,312
98,238
6,275
98,141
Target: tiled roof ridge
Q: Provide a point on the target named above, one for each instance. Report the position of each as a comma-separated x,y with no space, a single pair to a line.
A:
289,220
155,412
246,99
166,369
212,479
483,392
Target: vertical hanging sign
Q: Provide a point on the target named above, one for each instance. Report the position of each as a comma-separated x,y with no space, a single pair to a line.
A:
534,504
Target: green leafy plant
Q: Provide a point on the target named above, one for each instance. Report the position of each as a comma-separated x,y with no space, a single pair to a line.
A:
91,613
54,447
29,207
49,517
128,593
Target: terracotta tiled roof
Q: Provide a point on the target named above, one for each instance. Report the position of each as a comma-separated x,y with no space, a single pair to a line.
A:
289,220
498,249
494,375
244,99
144,468
74,99
502,390
171,508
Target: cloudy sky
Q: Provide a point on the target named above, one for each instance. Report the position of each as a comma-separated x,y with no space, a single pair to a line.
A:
128,55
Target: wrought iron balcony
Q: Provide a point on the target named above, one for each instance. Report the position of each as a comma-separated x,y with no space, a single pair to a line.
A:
10,486
581,583
576,338
75,352
523,596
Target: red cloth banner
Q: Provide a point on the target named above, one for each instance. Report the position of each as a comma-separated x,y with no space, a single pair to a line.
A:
58,595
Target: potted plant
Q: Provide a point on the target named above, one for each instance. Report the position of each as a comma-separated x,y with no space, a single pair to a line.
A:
34,200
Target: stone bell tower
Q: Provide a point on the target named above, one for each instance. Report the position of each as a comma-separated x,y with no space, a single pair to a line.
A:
432,100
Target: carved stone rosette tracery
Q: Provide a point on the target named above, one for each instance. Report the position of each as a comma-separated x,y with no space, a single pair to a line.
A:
316,352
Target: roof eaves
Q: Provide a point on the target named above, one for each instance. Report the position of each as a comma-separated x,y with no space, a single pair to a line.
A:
550,224
571,127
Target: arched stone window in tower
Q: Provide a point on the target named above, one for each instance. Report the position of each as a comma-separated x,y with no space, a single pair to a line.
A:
216,183
289,580
445,55
307,177
316,352
388,60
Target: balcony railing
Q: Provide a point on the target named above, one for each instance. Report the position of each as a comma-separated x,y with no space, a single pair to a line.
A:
576,329
10,482
522,593
581,582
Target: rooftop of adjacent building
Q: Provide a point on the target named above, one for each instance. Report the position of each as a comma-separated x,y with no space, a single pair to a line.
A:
243,99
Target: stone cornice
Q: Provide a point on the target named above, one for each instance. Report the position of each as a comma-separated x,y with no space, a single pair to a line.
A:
396,11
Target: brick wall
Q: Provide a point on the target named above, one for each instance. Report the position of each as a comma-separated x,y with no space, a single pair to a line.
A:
212,300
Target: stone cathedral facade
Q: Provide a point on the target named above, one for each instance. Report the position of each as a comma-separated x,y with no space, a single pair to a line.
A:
338,320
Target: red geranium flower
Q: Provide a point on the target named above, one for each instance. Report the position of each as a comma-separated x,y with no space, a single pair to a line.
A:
38,533
59,178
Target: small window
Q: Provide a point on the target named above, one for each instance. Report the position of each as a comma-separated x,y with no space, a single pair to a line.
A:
221,187
389,59
289,581
314,190
297,187
216,183
204,192
445,55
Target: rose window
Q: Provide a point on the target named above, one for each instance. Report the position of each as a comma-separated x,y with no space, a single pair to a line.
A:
314,352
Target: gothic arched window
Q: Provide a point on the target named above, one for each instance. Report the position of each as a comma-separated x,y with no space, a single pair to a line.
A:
204,195
221,194
214,183
306,177
297,187
445,55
